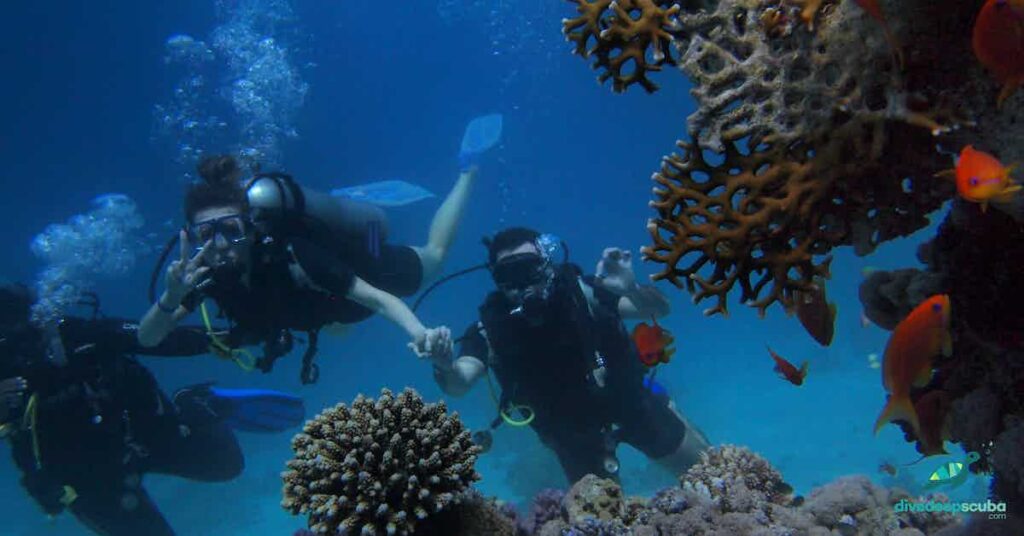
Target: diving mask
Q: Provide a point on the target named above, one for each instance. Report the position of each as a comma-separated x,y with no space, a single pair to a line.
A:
520,271
232,228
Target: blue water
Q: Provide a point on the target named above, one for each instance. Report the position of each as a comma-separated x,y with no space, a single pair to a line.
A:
374,90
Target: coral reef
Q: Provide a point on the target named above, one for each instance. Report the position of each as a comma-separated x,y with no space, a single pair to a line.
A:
378,466
546,506
975,256
617,33
734,491
812,131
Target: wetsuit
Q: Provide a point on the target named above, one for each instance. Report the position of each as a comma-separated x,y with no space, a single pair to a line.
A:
274,303
550,368
101,422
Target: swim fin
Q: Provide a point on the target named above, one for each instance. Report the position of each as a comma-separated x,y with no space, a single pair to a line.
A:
257,410
248,410
481,134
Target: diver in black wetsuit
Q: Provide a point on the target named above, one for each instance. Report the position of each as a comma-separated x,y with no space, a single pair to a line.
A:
277,257
86,420
560,352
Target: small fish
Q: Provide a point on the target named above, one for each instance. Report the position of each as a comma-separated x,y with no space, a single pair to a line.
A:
872,8
981,178
932,409
786,370
907,362
653,343
816,314
654,387
873,361
998,42
888,468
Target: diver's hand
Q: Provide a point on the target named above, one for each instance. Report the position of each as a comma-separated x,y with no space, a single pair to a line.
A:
435,344
615,271
184,274
12,393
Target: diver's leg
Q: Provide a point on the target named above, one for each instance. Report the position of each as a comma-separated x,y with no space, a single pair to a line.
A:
201,448
580,455
120,511
665,435
445,223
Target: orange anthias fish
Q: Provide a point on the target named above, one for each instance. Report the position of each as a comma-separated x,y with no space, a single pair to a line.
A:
998,41
907,363
817,315
653,343
982,178
932,409
786,370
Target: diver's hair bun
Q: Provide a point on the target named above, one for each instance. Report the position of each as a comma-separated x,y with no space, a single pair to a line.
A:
218,169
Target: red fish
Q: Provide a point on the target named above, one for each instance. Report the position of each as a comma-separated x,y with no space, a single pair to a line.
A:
982,178
653,343
872,8
998,41
932,409
817,315
786,370
907,363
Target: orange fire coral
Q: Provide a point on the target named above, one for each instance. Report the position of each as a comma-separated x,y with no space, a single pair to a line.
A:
623,31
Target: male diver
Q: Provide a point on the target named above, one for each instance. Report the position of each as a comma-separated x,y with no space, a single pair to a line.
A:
86,421
277,257
558,347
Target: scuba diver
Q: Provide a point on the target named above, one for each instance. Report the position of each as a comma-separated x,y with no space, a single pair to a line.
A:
559,349
86,420
277,257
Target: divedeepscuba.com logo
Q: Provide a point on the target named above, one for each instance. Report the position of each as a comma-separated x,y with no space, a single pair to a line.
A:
995,510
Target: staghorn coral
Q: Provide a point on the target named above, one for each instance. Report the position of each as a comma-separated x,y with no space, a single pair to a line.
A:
378,467
622,33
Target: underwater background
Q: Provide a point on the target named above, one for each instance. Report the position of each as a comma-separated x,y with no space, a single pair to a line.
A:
120,97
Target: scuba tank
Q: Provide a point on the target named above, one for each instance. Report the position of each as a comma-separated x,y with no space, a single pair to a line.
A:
275,198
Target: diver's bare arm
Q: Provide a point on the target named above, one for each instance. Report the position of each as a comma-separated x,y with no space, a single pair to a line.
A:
459,377
388,306
644,301
157,323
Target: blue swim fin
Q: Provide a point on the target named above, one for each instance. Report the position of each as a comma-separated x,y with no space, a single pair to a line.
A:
257,410
481,134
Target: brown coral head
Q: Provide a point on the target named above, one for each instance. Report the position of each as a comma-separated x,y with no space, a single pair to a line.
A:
378,466
728,472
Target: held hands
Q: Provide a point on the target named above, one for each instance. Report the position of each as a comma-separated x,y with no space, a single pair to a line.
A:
184,274
12,393
615,271
434,344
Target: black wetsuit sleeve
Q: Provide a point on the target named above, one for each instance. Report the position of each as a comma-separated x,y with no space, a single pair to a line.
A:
603,296
474,343
121,336
327,271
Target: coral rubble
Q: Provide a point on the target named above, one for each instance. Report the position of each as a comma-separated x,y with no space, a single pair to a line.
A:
735,491
378,466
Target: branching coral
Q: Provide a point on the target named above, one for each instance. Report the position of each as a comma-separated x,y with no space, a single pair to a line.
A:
790,154
378,467
630,38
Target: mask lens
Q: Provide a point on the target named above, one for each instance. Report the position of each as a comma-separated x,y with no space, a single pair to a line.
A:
231,228
519,271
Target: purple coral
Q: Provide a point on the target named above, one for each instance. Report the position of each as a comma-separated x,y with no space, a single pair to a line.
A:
546,506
